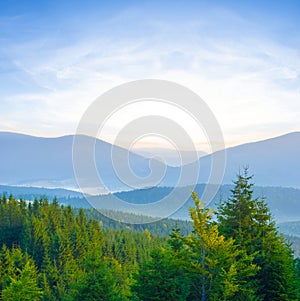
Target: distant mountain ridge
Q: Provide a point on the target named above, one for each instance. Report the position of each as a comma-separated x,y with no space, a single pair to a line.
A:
29,193
284,202
274,161
35,161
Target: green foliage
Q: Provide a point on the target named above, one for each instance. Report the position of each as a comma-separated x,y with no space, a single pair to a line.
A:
23,285
12,221
214,263
103,282
248,221
163,227
53,253
73,256
18,276
160,279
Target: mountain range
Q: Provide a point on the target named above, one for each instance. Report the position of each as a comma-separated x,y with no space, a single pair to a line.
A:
47,162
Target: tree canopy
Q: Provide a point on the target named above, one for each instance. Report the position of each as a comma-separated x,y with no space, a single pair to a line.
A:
51,253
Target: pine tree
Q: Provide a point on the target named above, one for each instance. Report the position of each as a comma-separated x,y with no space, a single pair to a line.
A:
201,266
213,262
23,284
248,221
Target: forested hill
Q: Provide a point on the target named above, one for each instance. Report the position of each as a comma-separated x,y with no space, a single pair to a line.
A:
284,202
47,250
51,253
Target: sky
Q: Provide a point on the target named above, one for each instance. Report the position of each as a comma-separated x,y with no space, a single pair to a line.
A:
241,57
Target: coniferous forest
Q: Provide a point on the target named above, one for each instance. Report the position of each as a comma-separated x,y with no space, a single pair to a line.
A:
235,252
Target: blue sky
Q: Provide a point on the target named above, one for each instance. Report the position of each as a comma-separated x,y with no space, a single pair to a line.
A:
241,57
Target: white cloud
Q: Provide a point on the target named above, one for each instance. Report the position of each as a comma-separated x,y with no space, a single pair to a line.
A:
250,81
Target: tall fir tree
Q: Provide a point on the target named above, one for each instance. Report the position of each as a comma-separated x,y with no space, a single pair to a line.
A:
249,222
214,263
20,278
